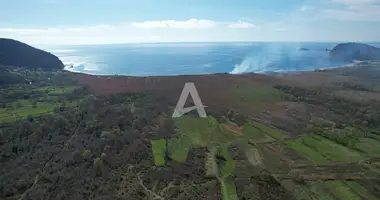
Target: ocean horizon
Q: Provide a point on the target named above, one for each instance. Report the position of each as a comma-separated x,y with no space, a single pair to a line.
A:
163,59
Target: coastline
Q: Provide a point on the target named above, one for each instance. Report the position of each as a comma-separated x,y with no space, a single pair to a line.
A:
355,63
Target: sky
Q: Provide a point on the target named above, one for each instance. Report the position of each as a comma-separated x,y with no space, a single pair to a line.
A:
136,21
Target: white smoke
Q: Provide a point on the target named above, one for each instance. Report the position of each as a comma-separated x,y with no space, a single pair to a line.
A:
269,58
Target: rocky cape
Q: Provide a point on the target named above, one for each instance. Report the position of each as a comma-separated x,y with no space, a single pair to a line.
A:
354,51
18,54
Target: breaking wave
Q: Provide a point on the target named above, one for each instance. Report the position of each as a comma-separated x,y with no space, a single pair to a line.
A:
79,64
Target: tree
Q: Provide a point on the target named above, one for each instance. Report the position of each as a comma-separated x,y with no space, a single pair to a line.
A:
34,103
166,131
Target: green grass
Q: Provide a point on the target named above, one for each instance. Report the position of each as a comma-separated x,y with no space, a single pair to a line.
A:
26,109
330,149
272,132
204,132
317,188
341,191
3,113
359,189
252,133
374,136
179,148
158,148
256,96
303,193
228,189
41,108
58,90
306,151
229,165
369,146
8,119
373,168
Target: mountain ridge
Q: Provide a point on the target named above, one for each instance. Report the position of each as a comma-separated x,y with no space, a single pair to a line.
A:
19,54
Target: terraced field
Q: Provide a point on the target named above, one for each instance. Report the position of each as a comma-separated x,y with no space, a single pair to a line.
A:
263,146
43,100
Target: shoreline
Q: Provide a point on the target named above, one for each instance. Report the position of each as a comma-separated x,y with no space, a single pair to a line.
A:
355,63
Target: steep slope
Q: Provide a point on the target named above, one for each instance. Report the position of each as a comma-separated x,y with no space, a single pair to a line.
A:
15,53
354,51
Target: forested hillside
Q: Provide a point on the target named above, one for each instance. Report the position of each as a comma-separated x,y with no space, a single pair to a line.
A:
18,54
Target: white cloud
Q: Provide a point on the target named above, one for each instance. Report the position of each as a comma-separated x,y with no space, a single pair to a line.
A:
241,24
28,31
371,15
356,2
37,31
296,26
353,10
188,24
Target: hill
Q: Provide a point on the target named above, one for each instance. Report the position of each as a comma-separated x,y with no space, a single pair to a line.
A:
354,51
18,54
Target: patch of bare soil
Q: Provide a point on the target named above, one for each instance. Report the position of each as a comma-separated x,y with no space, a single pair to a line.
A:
215,90
233,128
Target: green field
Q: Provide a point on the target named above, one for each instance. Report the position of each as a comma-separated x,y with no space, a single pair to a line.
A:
229,165
25,109
318,189
179,148
159,148
340,191
256,96
369,146
306,151
57,90
374,136
207,132
272,132
303,193
228,189
38,105
251,132
330,149
359,189
204,132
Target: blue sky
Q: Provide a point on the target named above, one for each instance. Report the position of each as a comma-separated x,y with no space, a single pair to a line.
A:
125,21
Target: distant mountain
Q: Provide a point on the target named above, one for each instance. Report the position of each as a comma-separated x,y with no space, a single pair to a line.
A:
354,51
18,54
304,49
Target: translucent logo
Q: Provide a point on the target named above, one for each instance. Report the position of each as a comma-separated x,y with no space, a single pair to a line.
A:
189,88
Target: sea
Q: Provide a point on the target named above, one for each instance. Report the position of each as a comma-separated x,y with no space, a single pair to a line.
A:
157,59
